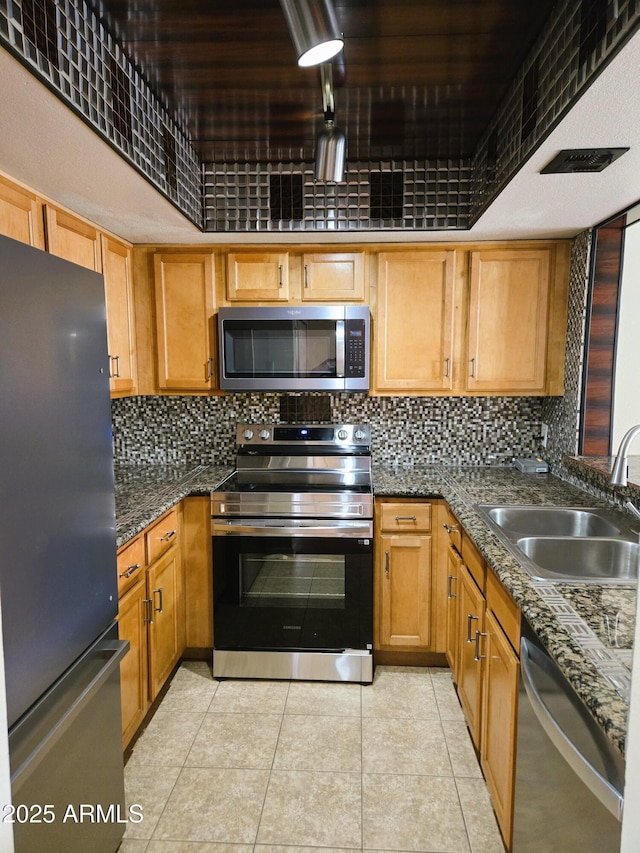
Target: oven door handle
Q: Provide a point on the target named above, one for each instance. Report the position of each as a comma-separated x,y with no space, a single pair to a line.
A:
280,527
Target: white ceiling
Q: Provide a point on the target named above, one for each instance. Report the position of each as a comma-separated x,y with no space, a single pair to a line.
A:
47,147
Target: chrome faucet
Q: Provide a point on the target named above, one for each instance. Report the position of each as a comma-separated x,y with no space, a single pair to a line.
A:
619,472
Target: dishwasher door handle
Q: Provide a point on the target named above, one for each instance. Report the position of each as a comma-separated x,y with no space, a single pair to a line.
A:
597,784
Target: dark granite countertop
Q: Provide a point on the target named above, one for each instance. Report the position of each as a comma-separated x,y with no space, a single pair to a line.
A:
145,492
588,629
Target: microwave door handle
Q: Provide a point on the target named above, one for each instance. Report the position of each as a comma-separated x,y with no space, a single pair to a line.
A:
340,347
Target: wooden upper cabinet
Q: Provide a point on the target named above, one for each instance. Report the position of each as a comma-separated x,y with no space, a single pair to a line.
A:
72,239
21,216
258,276
333,277
184,301
116,259
508,319
414,321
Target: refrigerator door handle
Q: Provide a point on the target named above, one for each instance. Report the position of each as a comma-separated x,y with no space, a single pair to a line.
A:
117,650
599,786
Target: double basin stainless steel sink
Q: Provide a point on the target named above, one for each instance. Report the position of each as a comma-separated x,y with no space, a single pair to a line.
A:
575,544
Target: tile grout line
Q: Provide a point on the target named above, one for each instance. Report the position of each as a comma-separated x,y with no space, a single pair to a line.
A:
275,749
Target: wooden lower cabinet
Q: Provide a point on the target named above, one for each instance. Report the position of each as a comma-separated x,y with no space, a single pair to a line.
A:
198,574
469,672
499,715
150,615
453,569
402,576
132,626
166,624
483,634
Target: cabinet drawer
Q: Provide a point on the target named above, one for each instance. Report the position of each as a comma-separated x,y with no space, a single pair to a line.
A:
505,610
474,561
406,517
162,535
131,564
452,526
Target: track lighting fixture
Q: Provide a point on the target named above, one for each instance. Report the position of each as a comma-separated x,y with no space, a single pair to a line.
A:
331,149
313,27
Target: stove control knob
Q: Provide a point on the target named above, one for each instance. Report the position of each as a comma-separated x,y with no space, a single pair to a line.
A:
343,434
264,434
248,434
359,435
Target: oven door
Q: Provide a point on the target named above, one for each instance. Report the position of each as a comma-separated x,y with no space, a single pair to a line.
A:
308,587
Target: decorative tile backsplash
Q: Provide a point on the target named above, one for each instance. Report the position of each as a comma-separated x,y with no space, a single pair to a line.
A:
405,430
563,413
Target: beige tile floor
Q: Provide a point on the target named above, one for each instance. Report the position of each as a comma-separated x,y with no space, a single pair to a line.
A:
307,767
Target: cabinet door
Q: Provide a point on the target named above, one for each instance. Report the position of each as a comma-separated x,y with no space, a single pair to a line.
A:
334,276
184,296
414,321
21,216
73,239
404,588
198,575
469,662
116,260
454,567
134,687
166,628
499,714
507,330
258,276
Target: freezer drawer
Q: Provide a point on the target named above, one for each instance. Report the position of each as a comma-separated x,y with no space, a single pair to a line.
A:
569,777
66,755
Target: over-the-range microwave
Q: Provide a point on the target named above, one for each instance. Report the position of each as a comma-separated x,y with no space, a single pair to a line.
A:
294,348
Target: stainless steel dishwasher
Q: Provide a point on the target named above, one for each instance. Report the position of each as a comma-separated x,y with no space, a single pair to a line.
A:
569,776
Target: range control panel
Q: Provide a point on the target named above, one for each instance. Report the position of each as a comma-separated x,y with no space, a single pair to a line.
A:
329,435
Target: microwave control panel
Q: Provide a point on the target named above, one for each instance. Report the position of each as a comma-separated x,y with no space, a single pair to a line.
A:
355,335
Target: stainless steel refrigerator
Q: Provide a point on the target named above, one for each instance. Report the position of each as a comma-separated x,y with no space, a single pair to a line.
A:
58,589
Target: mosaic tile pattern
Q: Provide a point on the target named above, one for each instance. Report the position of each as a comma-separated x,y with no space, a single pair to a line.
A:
452,430
94,76
564,68
436,197
563,413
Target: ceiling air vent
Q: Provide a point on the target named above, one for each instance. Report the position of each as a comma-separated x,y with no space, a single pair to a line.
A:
582,160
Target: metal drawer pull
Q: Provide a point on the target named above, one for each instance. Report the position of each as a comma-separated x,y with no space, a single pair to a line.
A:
160,597
406,518
168,536
148,605
210,368
114,374
473,368
386,562
129,571
450,593
306,275
281,283
447,361
477,655
451,528
470,618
